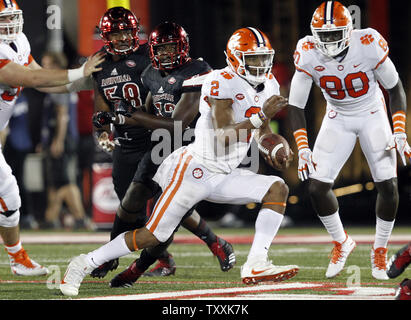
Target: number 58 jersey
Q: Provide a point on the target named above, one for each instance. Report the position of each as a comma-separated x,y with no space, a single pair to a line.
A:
350,85
246,100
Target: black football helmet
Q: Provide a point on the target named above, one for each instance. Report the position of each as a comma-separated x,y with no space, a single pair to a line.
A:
115,20
168,33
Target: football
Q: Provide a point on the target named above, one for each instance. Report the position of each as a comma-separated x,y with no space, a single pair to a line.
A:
277,148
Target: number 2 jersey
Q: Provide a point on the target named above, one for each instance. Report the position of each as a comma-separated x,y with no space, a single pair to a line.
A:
119,83
350,85
246,100
18,52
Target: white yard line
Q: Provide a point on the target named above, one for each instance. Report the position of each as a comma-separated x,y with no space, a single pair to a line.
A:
104,237
266,292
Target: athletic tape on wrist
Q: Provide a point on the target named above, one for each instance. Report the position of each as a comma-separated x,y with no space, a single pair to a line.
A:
75,74
256,121
398,120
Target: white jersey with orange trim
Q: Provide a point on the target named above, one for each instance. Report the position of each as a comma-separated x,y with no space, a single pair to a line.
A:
9,191
226,84
18,52
350,85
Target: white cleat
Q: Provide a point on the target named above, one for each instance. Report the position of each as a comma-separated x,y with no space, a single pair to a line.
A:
77,269
22,265
263,270
379,263
339,256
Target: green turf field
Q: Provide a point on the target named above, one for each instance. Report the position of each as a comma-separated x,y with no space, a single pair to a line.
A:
197,268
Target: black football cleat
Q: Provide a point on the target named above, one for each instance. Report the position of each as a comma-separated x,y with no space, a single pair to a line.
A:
404,290
399,261
224,252
126,278
101,271
165,267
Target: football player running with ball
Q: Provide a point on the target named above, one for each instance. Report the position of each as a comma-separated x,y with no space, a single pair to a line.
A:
174,82
346,64
18,69
120,92
236,105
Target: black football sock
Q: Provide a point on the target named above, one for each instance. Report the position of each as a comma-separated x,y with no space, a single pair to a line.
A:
150,255
145,261
120,226
204,232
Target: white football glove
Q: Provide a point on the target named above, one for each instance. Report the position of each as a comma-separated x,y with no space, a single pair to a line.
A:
399,142
105,143
306,164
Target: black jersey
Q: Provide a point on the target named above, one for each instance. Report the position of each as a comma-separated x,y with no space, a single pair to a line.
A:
119,82
166,89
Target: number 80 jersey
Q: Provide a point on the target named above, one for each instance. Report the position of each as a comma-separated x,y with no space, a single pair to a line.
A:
349,85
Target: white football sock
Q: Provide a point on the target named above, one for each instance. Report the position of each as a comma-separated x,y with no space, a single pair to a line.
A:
116,248
266,227
14,248
334,227
383,231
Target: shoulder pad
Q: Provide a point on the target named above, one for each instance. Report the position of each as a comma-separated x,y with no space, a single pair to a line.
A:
374,45
302,54
217,84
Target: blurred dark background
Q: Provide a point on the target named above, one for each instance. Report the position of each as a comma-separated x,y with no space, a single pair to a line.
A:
209,25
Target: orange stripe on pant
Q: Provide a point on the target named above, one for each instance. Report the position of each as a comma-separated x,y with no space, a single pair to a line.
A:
3,205
168,187
171,196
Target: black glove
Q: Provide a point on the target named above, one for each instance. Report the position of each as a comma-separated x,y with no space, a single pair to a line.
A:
101,271
103,118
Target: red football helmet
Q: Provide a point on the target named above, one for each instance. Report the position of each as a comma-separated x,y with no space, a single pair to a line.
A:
116,20
331,27
250,55
169,47
11,20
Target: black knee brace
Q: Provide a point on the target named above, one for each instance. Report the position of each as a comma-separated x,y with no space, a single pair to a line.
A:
387,199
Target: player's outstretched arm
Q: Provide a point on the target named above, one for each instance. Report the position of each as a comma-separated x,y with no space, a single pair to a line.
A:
85,83
184,113
15,75
398,106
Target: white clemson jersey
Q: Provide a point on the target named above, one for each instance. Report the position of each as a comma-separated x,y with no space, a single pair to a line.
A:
226,84
349,85
18,52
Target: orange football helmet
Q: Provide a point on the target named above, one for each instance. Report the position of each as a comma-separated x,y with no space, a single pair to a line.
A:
11,20
250,55
331,27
